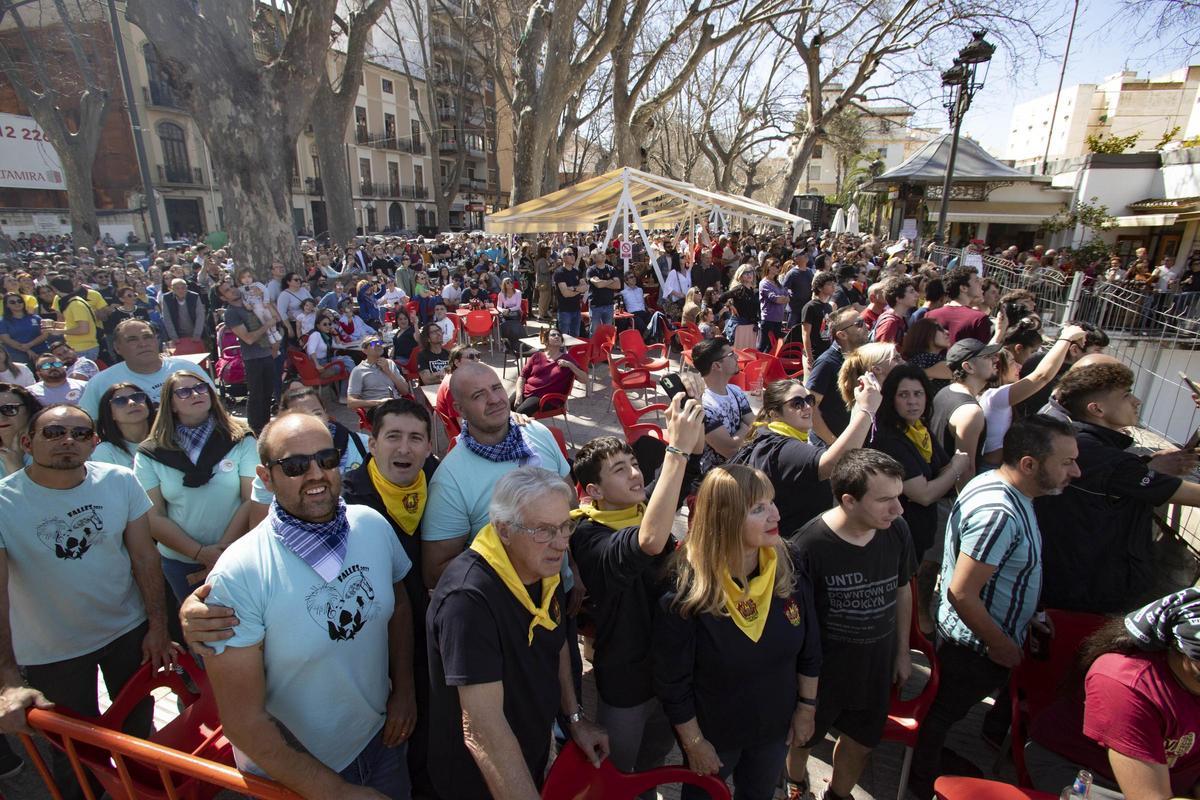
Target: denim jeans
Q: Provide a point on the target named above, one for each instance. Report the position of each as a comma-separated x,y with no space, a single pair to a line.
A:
91,353
967,678
755,770
176,573
601,315
384,769
72,685
568,322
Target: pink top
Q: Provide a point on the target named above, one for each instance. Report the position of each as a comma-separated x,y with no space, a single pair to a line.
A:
511,303
543,376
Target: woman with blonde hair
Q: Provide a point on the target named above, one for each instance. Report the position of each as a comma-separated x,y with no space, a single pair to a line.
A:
741,329
692,305
737,649
877,358
197,465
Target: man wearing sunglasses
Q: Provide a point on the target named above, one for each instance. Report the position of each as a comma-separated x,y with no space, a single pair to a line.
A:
83,586
144,365
375,379
323,647
53,385
848,333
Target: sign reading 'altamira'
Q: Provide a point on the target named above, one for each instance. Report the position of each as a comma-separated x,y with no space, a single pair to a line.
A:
27,160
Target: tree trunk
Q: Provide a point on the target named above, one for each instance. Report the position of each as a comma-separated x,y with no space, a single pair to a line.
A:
530,140
329,133
253,175
796,170
77,163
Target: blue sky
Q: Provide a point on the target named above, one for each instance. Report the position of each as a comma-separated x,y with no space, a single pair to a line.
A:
1103,44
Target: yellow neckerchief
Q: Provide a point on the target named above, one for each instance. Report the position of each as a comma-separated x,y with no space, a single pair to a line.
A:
748,609
615,519
784,429
404,504
487,544
919,436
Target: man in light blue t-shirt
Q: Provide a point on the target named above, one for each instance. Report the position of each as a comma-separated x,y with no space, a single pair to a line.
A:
85,589
490,446
144,366
323,650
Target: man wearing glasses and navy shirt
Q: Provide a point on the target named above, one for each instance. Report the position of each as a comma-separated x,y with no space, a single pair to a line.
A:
848,333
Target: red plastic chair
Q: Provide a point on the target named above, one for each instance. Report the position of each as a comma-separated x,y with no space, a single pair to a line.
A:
188,346
639,354
411,367
625,377
572,777
560,441
310,374
752,376
953,787
904,716
554,404
601,343
1035,684
686,332
630,417
478,325
791,355
581,354
364,422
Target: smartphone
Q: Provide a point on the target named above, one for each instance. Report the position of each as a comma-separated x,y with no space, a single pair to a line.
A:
1194,442
672,384
1191,383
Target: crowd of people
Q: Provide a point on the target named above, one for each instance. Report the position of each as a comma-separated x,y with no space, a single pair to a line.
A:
377,621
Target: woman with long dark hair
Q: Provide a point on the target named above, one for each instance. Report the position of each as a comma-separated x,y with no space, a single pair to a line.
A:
197,465
17,407
925,346
123,422
1131,714
798,468
21,332
736,647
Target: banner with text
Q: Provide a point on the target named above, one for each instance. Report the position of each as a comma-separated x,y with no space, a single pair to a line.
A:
27,160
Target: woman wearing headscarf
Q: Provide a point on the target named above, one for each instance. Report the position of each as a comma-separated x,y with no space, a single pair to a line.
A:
1134,721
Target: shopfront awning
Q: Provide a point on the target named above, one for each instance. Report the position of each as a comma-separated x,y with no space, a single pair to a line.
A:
1147,220
997,219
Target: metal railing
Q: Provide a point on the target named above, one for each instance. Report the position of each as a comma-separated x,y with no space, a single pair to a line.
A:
174,175
1155,334
314,186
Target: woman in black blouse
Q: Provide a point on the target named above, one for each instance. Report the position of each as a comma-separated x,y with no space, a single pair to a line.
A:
742,326
736,647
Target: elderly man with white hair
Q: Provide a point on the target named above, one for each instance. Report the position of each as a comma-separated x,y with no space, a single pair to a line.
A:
498,655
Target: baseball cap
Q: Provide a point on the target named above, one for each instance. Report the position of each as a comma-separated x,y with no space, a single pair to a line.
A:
966,349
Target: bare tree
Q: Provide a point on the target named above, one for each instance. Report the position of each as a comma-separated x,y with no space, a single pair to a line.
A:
334,105
69,103
693,30
847,135
248,109
1173,25
850,48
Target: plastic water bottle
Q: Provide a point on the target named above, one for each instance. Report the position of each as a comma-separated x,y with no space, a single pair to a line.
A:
1079,790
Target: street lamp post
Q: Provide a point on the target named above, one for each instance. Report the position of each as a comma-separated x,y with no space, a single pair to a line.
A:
960,83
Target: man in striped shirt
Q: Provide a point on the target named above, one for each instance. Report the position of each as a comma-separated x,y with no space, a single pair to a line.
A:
991,580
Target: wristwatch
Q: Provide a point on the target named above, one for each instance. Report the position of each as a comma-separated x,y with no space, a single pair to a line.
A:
576,716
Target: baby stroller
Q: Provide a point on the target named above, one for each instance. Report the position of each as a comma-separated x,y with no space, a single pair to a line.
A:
230,372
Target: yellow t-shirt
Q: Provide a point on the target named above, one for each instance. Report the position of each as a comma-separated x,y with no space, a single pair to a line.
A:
30,304
94,299
75,313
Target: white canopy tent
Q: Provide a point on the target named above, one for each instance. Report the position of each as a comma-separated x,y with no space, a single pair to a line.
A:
635,201
852,220
839,222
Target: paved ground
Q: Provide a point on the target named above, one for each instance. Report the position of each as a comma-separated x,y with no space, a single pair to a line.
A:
592,415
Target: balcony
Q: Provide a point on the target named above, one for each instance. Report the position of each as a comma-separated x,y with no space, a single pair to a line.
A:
361,136
447,147
177,175
368,189
414,146
161,94
445,40
414,192
314,186
472,184
447,113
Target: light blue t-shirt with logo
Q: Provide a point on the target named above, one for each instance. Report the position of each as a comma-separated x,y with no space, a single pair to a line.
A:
325,644
150,384
70,581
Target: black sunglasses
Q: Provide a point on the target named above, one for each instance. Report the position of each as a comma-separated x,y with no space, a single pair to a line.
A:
295,466
184,392
798,403
134,398
79,434
11,409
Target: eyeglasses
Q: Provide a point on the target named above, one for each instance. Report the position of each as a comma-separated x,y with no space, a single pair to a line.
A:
299,394
184,392
858,323
131,399
544,534
295,466
79,434
51,365
797,403
11,409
